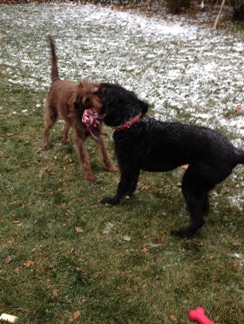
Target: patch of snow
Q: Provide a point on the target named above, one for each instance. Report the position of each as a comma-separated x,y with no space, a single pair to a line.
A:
187,73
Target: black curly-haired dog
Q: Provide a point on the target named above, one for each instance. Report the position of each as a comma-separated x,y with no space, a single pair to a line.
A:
143,143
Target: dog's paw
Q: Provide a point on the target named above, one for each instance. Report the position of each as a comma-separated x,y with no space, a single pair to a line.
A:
46,146
89,177
110,201
112,168
182,233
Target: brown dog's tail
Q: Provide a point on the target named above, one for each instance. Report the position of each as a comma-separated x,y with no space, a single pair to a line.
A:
54,70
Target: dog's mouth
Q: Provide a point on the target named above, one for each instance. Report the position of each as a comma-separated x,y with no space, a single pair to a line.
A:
91,118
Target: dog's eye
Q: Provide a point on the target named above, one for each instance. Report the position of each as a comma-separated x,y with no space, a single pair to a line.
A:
87,100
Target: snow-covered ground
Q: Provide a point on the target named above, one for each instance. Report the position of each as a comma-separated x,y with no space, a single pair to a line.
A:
186,72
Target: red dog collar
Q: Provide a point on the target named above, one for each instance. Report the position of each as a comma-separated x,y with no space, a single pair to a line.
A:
128,124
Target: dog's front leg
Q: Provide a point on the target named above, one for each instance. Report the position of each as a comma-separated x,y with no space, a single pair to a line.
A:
126,186
105,155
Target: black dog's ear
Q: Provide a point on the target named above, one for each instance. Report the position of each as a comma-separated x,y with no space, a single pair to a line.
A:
113,115
145,107
103,91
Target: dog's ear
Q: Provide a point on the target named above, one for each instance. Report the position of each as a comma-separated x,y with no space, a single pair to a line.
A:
77,102
113,112
144,106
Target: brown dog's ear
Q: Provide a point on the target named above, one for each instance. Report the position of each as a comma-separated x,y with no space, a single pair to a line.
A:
96,90
81,84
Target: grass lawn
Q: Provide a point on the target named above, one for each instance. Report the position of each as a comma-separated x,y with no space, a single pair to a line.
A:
64,257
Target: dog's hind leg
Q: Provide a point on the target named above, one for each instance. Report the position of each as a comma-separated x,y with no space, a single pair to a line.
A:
195,203
65,133
50,119
105,156
197,182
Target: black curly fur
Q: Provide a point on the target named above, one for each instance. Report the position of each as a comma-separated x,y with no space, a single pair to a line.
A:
152,145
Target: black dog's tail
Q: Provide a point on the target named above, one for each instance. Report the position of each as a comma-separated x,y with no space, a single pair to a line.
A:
241,156
54,70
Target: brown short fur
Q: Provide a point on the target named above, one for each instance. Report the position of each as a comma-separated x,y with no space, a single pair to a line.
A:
69,100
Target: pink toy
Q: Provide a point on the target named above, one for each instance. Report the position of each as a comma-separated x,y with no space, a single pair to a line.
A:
92,120
198,315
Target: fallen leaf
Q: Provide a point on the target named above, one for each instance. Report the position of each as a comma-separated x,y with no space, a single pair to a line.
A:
127,238
237,244
198,244
173,318
29,263
8,259
164,233
71,250
79,230
62,206
15,221
143,249
74,317
96,275
238,108
146,187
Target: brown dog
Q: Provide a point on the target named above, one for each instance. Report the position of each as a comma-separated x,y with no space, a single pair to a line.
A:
69,100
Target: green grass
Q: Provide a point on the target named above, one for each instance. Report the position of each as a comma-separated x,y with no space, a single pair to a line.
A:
55,271
107,279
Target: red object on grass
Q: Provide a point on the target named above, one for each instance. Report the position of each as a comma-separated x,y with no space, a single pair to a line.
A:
198,315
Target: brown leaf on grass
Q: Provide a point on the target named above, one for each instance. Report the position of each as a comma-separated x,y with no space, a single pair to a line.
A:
29,264
41,172
164,233
143,249
71,250
15,221
237,244
238,108
79,230
198,244
74,316
8,259
146,188
1,154
62,206
173,318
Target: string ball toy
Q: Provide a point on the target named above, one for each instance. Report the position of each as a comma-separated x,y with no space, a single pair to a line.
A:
92,120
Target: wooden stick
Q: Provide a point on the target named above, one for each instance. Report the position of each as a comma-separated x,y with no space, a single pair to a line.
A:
217,18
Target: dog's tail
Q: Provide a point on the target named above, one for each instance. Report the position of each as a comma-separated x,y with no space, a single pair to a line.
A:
240,156
54,70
